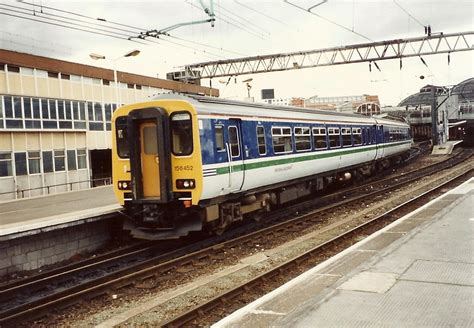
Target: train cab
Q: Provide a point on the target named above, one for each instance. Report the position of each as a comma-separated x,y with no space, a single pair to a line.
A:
157,167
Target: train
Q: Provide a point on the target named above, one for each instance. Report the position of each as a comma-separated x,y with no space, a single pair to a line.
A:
187,163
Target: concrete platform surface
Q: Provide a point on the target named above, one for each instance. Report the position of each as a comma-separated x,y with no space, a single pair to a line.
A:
416,272
446,148
21,216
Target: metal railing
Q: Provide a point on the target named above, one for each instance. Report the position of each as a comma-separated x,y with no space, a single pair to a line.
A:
92,183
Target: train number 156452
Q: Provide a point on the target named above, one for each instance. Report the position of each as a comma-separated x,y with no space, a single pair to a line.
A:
183,167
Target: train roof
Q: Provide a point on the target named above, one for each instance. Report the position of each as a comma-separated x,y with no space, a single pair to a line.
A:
207,105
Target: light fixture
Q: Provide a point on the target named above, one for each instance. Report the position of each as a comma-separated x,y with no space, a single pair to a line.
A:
96,56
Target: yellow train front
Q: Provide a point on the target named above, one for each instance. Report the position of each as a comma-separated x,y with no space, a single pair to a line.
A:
156,165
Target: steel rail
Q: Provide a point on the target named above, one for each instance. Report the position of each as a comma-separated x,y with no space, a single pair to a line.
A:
129,275
185,318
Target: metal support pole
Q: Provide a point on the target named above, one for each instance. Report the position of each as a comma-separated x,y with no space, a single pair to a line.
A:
434,116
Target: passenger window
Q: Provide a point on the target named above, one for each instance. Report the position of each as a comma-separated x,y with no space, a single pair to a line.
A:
281,138
302,139
219,134
346,137
262,147
319,138
334,141
181,134
234,141
357,135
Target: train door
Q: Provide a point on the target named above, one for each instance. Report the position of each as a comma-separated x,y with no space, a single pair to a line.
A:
379,135
150,162
235,155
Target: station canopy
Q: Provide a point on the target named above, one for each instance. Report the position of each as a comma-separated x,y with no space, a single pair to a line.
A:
423,97
465,90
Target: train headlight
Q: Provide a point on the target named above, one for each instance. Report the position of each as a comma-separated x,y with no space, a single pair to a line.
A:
124,185
185,184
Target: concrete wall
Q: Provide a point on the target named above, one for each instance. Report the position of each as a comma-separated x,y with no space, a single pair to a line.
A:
47,248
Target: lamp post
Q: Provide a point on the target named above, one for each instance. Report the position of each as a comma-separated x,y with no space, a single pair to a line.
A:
128,54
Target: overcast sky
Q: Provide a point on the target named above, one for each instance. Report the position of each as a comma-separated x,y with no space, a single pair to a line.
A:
247,28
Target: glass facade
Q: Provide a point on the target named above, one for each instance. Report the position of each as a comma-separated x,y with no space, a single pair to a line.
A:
54,114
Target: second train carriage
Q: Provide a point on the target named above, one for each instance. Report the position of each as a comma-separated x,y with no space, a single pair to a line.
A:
181,163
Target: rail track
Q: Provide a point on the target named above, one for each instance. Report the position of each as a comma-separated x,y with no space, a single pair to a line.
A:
63,287
222,304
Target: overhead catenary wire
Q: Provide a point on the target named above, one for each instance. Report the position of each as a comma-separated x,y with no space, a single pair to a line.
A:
106,31
225,18
68,27
24,11
409,15
81,15
327,20
260,13
249,23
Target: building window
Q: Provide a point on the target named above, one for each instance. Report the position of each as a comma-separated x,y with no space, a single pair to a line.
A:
34,162
262,146
96,122
81,159
13,69
281,138
8,106
32,108
13,113
1,111
48,162
59,163
302,138
20,164
219,133
64,114
5,164
71,160
108,116
79,114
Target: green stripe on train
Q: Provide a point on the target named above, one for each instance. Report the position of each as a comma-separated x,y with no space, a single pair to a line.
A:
310,157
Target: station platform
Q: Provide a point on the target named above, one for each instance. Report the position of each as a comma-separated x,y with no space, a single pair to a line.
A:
446,148
416,272
30,216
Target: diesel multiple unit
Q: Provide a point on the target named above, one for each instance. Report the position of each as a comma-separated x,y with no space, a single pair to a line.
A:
187,163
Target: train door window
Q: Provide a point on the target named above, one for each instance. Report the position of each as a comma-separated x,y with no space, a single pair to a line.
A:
150,140
319,138
346,137
334,140
219,135
302,138
121,137
234,141
262,146
281,139
181,134
357,135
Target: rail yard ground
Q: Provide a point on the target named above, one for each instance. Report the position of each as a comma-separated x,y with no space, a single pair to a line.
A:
160,298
